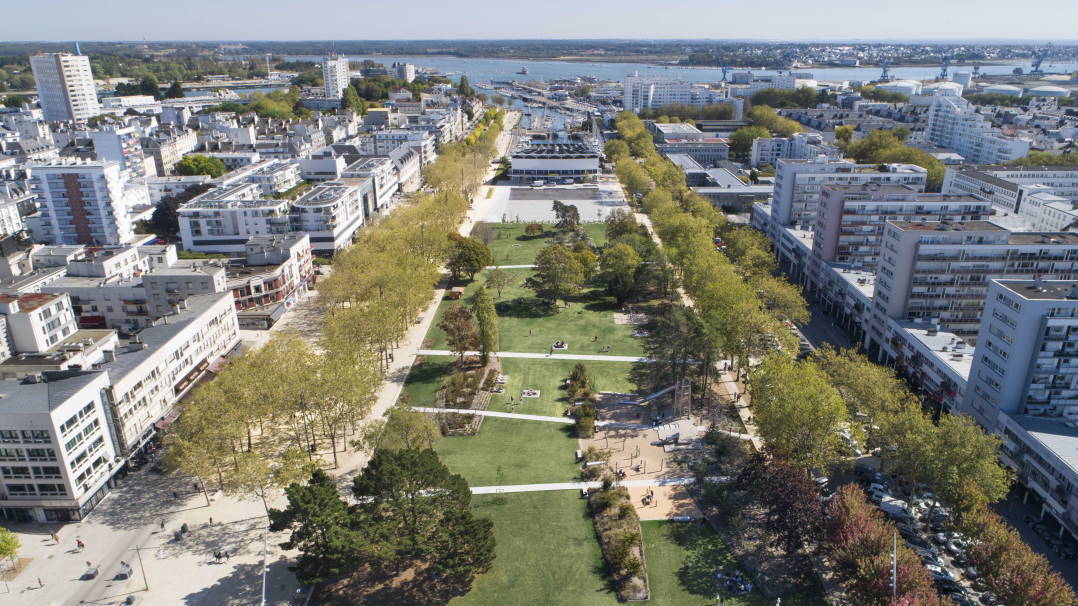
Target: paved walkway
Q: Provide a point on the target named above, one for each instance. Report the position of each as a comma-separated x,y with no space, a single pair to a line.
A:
682,481
509,267
539,356
495,413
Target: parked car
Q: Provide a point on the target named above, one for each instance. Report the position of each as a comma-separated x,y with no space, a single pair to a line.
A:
956,547
970,573
919,541
988,599
939,538
939,572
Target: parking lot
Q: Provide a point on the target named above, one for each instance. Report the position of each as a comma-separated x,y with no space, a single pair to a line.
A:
522,203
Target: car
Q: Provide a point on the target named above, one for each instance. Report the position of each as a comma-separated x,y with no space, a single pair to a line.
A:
970,573
940,573
961,599
939,538
956,547
946,586
919,541
988,599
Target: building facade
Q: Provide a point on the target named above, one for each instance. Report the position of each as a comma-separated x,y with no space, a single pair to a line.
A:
65,86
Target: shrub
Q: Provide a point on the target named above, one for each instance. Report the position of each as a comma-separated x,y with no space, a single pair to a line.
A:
534,229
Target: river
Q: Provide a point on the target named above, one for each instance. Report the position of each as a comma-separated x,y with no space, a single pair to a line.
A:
482,70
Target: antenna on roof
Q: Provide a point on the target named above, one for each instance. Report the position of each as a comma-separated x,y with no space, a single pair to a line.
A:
77,51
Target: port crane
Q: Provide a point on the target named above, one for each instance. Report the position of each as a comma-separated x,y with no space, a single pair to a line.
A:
722,64
943,69
886,75
1038,59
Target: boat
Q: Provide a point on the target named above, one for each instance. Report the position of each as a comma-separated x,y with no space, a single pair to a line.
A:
523,71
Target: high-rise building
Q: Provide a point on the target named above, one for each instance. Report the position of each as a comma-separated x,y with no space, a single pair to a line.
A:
121,145
940,270
81,203
65,86
336,75
798,184
405,71
642,93
955,124
850,218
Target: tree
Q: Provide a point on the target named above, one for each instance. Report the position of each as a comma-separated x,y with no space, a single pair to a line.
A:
498,279
16,101
589,261
165,220
487,320
419,512
324,530
620,223
175,91
844,134
964,452
534,229
194,164
558,274
403,428
465,89
616,149
619,264
468,256
9,545
789,497
567,216
742,138
149,86
799,414
350,100
460,330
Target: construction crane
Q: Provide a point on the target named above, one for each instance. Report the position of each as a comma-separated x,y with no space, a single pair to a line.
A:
1038,59
976,71
886,75
722,64
943,69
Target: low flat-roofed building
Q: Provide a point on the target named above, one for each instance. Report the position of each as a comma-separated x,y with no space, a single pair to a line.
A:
557,161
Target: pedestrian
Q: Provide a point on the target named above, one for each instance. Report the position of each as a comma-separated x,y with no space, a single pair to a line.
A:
175,495
80,544
226,556
211,519
89,564
56,537
194,485
40,583
162,525
217,556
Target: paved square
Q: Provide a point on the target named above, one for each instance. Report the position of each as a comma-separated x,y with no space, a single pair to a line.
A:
516,204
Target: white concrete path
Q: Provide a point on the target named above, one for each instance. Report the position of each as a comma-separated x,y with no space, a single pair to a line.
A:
578,485
509,267
539,356
495,413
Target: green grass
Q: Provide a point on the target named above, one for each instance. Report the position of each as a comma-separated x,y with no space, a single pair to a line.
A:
547,553
682,559
508,234
527,324
511,451
547,377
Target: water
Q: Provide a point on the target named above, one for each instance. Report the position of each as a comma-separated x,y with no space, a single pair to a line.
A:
482,70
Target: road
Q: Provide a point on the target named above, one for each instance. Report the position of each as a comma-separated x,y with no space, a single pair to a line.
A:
822,329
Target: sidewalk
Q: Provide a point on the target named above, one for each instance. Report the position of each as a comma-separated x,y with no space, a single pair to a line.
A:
579,485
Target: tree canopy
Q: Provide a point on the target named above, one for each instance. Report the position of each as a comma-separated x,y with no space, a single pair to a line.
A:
194,164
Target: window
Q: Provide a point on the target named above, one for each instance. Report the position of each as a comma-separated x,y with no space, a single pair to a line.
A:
9,435
36,436
40,454
46,472
17,490
16,472
51,489
12,454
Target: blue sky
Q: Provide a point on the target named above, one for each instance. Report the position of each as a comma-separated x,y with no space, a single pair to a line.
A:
440,19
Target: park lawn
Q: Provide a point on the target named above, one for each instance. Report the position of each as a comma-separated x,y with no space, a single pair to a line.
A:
547,553
425,379
512,451
528,325
547,376
512,247
682,558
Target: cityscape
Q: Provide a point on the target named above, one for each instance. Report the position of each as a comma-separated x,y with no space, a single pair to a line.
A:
372,320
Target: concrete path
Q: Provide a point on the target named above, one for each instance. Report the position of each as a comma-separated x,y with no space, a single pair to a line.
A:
509,267
539,356
578,485
495,413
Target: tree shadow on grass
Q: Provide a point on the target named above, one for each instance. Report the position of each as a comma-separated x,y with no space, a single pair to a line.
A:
524,307
410,588
429,371
705,552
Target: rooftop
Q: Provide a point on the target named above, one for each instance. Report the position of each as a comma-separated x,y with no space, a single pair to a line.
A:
944,346
29,302
947,226
1042,289
55,388
1056,436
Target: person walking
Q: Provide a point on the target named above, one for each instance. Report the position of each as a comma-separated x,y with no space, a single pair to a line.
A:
226,556
80,544
40,583
217,556
162,525
56,537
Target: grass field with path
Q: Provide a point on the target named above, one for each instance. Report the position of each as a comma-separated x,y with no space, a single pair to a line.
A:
547,553
512,247
527,324
511,451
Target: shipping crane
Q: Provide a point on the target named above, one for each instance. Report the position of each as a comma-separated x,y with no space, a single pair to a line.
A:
943,69
722,64
1038,59
886,75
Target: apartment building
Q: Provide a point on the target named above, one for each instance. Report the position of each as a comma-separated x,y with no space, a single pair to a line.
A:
941,270
224,225
955,124
275,176
276,268
801,146
332,212
168,146
122,145
82,203
405,71
56,456
850,219
65,86
1007,187
798,184
641,93
335,74
383,176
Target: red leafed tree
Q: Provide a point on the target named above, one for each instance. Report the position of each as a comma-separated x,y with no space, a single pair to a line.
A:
789,498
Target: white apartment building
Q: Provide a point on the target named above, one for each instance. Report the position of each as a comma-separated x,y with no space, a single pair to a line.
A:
332,212
955,124
37,321
383,176
11,221
941,270
405,71
1049,212
798,184
640,93
802,146
81,203
336,76
123,146
224,225
1007,187
162,363
65,86
386,141
56,456
275,176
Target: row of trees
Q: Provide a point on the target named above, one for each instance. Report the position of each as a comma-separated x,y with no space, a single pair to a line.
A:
677,112
765,123
804,96
886,146
739,309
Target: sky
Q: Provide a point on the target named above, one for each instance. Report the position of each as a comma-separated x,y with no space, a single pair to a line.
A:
56,20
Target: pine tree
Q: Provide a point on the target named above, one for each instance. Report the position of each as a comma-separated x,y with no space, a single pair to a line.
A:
487,320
